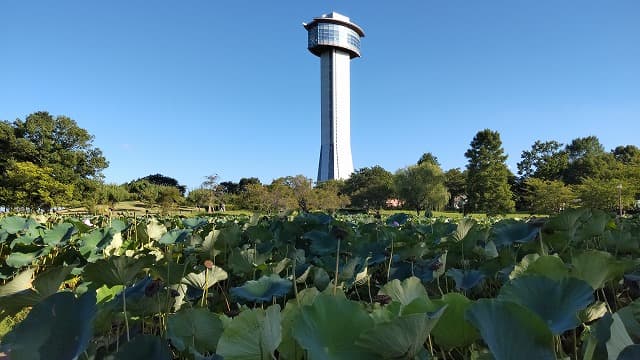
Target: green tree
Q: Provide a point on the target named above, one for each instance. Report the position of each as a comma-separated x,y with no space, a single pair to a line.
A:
57,144
455,181
587,158
421,187
212,186
605,194
548,196
198,197
370,187
329,196
27,185
546,160
628,154
428,157
487,175
162,180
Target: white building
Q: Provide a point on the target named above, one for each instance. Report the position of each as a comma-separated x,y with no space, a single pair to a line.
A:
336,41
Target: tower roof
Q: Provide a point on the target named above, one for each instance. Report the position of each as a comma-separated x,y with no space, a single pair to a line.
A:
335,18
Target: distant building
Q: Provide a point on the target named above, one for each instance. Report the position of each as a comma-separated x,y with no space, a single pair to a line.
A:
336,41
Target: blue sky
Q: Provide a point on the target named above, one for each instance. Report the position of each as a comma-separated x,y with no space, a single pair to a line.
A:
192,88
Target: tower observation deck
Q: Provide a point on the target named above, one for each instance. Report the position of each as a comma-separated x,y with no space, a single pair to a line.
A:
336,40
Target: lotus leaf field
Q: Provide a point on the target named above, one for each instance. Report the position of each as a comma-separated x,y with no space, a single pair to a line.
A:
313,286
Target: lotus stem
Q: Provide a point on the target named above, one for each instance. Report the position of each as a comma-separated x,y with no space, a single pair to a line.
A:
335,281
206,287
295,286
390,260
124,309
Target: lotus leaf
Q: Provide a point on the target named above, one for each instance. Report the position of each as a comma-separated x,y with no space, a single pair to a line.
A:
16,224
205,279
329,328
397,219
550,266
155,230
631,352
289,348
195,222
406,291
194,329
17,259
59,327
466,279
511,331
403,337
254,334
262,290
597,267
556,302
143,347
452,330
507,232
116,270
175,236
60,233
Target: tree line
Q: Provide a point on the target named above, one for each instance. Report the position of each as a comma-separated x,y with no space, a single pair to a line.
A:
48,162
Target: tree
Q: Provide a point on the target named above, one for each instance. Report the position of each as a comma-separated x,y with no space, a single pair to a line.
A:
455,182
547,196
159,179
421,187
586,157
329,195
487,175
369,187
546,160
428,157
198,197
211,185
57,144
628,155
27,185
604,194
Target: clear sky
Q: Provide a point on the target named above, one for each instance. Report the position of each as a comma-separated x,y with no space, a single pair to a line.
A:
192,88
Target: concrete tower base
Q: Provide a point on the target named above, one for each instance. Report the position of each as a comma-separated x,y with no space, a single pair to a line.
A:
335,151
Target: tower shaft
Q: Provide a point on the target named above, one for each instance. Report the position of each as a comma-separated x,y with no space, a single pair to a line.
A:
335,151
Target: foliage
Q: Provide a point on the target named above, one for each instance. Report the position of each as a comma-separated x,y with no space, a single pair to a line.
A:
546,161
370,187
27,185
55,146
487,175
422,187
548,196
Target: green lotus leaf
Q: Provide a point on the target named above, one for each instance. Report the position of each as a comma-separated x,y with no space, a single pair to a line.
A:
597,267
60,233
17,259
511,331
205,279
556,302
507,232
466,279
289,348
194,329
406,291
175,236
59,327
398,219
16,224
143,347
194,222
154,229
607,338
20,282
453,331
550,266
229,237
116,270
402,338
322,243
262,290
95,241
631,352
329,328
254,334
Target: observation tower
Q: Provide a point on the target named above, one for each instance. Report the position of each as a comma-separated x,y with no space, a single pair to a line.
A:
336,40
